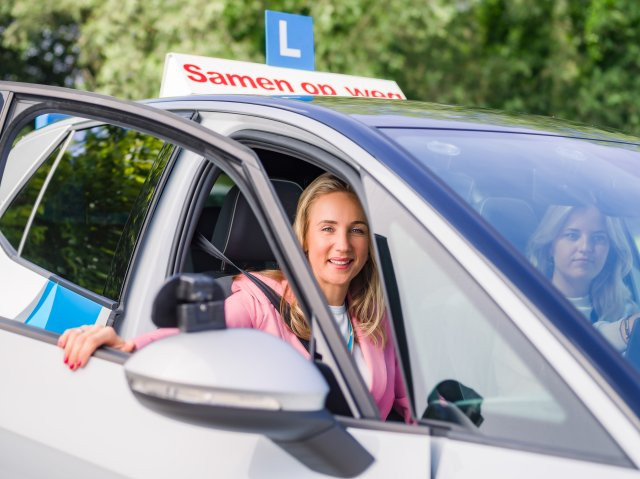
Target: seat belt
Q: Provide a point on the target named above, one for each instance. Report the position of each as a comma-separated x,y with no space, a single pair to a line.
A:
276,300
335,401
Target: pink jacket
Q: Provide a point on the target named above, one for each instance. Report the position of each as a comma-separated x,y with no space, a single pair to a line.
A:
248,307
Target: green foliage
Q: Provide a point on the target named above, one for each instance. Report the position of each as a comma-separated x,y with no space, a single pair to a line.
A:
46,54
575,59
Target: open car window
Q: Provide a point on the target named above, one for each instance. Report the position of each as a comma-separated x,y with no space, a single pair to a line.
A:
224,222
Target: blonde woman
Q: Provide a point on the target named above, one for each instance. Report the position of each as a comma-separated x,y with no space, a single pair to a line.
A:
333,231
586,256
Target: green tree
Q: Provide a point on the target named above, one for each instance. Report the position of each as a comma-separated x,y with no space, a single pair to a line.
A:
576,59
47,54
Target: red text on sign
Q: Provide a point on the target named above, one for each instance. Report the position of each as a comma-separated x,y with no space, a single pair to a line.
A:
230,79
196,74
372,93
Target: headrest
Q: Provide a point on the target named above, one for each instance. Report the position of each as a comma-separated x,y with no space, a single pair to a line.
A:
458,182
237,232
512,217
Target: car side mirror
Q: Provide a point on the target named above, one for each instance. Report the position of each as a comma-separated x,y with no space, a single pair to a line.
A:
242,380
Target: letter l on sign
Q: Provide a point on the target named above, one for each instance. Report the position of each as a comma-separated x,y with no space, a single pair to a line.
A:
285,51
289,40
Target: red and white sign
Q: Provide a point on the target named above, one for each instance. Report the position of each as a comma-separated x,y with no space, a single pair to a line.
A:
195,75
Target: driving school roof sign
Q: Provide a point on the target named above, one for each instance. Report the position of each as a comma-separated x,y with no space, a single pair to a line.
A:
195,75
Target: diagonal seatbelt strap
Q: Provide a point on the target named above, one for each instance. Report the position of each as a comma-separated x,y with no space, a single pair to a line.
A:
335,401
275,299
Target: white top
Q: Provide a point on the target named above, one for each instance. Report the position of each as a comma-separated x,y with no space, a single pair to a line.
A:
341,316
609,329
583,304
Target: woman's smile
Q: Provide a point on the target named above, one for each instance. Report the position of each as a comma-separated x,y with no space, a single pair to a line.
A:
341,263
337,243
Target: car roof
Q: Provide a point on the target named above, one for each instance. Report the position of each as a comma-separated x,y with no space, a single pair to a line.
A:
382,113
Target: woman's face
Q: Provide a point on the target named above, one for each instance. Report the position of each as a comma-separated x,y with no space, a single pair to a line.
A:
337,243
580,251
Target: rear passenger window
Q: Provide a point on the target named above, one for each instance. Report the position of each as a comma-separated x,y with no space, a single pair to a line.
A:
85,205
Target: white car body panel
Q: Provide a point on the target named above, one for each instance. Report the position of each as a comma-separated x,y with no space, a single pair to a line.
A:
457,460
20,288
92,415
94,423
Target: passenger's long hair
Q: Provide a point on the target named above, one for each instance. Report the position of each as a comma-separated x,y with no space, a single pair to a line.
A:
609,294
365,298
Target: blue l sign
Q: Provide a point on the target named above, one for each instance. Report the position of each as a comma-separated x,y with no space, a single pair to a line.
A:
289,40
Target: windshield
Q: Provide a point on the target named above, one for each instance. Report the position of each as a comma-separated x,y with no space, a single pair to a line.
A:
570,206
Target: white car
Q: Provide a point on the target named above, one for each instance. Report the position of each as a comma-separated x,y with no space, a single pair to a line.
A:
506,378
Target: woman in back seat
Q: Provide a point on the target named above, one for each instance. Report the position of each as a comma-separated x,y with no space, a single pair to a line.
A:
586,256
332,228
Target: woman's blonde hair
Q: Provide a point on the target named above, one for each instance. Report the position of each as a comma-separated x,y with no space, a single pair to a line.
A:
366,302
609,294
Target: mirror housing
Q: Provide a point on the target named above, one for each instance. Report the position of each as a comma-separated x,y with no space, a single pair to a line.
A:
227,368
242,380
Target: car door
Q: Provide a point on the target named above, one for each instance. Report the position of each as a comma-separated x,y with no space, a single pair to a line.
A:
467,346
56,423
48,412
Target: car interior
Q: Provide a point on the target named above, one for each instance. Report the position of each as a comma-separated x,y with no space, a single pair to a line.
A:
228,223
514,197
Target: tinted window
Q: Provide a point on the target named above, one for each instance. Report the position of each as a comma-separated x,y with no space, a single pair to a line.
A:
98,187
464,350
135,223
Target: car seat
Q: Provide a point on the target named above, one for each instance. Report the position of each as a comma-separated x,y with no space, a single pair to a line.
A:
513,218
237,233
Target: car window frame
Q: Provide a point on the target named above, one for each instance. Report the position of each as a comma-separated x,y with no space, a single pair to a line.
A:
32,100
348,376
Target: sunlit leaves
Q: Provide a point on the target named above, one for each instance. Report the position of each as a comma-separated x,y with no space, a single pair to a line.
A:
576,59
